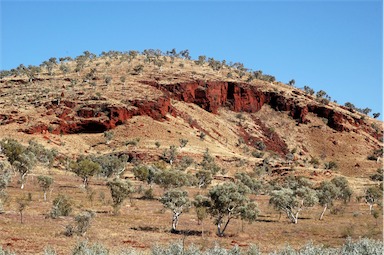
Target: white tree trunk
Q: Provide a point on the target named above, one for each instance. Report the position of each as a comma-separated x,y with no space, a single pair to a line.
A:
322,214
175,220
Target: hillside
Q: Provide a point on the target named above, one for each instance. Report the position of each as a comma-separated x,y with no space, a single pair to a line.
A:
148,102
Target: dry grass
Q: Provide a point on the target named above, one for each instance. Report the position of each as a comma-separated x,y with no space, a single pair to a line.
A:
142,223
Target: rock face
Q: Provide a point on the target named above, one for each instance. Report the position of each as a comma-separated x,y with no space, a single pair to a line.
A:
243,97
75,117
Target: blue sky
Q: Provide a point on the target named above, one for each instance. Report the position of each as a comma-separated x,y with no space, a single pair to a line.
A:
335,46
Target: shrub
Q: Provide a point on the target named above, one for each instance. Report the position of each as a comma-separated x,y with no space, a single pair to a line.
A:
331,165
120,190
83,248
83,222
108,135
257,154
260,145
133,142
69,230
183,142
148,194
61,206
378,176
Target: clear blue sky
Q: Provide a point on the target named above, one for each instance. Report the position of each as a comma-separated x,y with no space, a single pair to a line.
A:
331,45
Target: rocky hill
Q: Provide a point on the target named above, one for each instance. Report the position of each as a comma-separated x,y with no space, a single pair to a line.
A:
126,112
74,101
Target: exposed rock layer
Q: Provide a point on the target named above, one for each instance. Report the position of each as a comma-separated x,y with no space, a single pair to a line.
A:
80,117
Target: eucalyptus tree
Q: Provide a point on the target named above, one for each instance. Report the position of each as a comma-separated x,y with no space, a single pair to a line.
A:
22,160
185,54
292,82
5,177
254,185
373,195
293,196
327,193
146,173
345,190
45,183
120,190
203,178
229,201
85,168
23,165
178,202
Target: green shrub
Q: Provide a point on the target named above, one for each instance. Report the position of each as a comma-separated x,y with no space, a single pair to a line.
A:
61,206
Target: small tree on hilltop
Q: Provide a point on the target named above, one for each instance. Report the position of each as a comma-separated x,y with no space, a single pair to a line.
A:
85,168
229,201
120,190
291,82
45,183
321,94
177,201
309,90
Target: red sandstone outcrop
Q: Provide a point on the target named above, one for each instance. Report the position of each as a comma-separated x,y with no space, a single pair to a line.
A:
81,117
244,97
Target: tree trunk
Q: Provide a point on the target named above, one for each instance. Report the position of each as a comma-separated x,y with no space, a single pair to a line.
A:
175,221
22,179
45,195
370,208
219,229
322,214
85,182
225,227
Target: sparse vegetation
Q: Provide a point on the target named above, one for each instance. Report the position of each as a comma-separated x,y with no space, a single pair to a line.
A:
58,94
61,206
45,183
85,168
229,202
177,201
120,190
